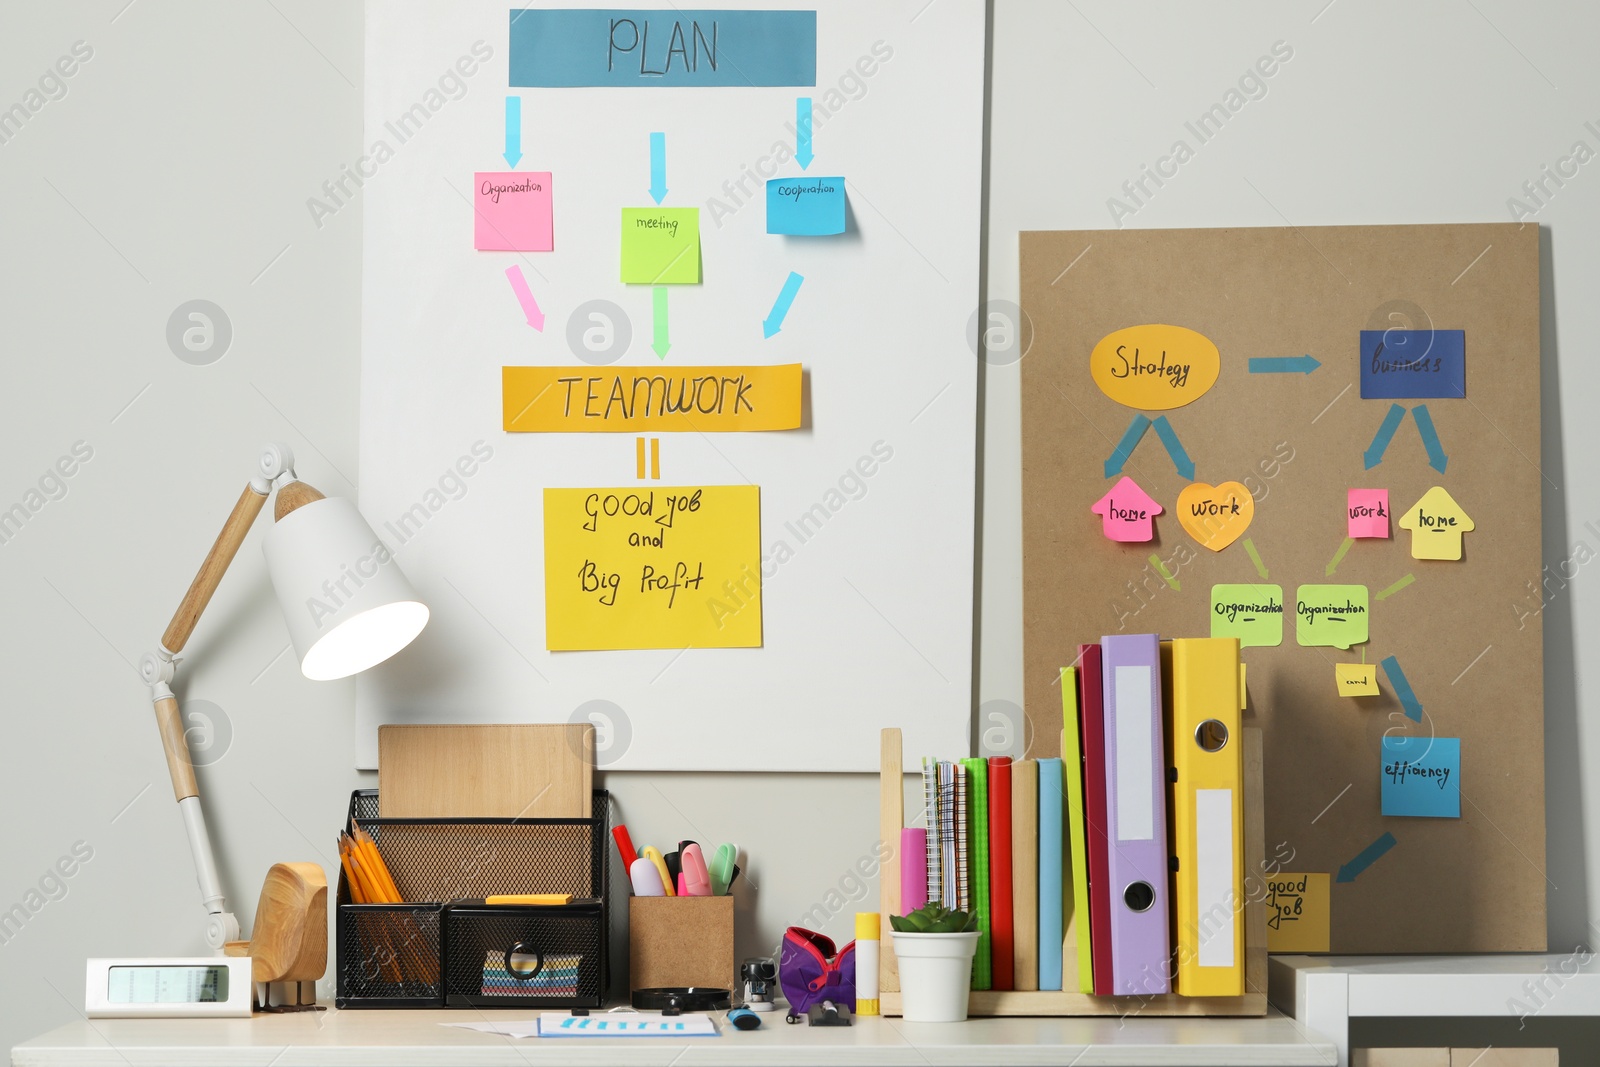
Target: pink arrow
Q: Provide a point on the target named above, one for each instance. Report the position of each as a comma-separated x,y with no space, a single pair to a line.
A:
530,306
1127,512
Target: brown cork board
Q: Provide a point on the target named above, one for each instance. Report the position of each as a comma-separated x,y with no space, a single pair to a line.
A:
1466,634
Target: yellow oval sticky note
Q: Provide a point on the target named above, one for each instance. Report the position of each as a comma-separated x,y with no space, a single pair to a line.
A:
1216,515
1155,368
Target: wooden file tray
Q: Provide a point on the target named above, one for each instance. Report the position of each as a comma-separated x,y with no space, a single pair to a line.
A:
491,771
891,817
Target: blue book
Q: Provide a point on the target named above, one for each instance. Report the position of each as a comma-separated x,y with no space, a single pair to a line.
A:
1051,799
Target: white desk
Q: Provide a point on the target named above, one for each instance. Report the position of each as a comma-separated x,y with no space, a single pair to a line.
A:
1325,992
405,1038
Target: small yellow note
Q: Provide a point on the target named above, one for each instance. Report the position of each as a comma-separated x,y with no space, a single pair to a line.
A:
652,568
1297,913
1356,679
650,399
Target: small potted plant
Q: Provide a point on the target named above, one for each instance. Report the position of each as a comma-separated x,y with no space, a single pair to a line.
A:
934,947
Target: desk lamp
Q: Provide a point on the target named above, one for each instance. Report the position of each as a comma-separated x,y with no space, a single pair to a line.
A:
348,607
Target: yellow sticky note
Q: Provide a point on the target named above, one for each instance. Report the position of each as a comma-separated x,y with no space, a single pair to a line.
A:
1437,524
661,245
1298,913
650,399
652,568
1356,679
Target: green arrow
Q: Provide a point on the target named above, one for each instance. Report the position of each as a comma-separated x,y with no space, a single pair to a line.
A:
1397,586
659,295
1333,564
1155,561
1255,557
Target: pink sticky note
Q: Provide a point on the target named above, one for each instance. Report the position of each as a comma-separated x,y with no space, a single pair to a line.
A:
1368,512
511,212
1127,512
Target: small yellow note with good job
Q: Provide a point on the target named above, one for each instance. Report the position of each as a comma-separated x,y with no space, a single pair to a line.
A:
1298,913
652,568
1356,679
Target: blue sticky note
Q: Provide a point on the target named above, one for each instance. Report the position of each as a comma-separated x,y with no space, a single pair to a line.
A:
1413,364
1422,776
806,206
568,47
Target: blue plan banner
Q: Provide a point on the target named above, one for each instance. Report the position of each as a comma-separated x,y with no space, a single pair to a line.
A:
570,47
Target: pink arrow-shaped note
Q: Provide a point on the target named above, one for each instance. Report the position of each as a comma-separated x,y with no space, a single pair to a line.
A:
1127,512
530,306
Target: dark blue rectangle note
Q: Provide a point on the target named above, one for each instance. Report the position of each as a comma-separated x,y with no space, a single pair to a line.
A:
1413,364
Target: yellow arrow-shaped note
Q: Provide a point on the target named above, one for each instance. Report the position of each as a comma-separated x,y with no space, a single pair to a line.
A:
1436,523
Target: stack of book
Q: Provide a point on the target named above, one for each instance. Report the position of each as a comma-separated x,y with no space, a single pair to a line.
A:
1118,869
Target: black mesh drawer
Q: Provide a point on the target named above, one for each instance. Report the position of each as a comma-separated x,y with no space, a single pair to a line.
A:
509,957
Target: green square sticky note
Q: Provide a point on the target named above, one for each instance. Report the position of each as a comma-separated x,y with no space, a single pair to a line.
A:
1331,615
661,245
1253,613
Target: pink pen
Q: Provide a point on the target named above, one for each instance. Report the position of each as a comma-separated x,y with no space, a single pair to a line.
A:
697,880
682,890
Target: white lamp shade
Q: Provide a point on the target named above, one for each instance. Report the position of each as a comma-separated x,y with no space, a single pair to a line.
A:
347,604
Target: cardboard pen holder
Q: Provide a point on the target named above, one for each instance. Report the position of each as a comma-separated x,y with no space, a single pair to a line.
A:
680,941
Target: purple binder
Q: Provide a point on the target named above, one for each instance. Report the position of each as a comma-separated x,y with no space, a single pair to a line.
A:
1141,948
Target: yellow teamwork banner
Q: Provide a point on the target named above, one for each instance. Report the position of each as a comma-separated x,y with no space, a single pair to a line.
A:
650,400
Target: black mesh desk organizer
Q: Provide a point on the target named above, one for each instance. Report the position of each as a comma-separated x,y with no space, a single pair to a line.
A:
445,948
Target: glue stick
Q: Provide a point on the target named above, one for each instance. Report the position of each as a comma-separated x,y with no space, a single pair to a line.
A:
867,948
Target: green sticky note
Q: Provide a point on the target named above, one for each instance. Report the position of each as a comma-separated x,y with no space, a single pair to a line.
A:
1334,615
1252,613
661,245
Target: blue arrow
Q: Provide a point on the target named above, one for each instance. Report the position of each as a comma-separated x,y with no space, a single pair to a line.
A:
802,135
658,166
1283,365
1169,437
1402,689
513,130
1430,437
1365,858
780,307
1130,440
1380,440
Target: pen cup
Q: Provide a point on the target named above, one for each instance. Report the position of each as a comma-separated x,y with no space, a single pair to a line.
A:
680,941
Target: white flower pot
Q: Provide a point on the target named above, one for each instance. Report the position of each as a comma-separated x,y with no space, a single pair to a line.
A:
935,975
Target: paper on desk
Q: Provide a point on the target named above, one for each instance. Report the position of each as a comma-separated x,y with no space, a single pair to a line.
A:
514,1028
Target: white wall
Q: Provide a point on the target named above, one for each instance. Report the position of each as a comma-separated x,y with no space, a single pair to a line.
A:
177,167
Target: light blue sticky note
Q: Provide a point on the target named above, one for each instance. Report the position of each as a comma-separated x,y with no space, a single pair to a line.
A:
806,206
1422,776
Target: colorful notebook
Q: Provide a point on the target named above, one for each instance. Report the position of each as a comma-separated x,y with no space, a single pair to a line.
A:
1025,873
930,799
1077,860
963,854
1051,836
1136,801
1207,815
1091,700
949,873
978,843
1003,963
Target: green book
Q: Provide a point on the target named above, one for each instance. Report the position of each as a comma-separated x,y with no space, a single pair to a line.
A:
978,851
1072,774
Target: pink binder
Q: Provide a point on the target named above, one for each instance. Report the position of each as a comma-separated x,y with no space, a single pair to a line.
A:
1141,947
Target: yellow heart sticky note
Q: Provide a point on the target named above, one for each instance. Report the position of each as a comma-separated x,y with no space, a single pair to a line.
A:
1216,515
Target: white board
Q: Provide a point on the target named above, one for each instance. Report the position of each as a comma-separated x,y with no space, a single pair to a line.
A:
868,620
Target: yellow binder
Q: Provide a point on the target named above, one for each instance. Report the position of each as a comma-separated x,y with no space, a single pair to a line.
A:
1207,804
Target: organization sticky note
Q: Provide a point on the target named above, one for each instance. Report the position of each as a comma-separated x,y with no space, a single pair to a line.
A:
652,568
511,212
1356,679
661,245
1127,513
806,207
1422,776
1436,523
1298,912
1367,512
1413,364
1251,612
650,400
1331,615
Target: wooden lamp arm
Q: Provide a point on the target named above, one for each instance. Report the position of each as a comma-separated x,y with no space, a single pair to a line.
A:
215,566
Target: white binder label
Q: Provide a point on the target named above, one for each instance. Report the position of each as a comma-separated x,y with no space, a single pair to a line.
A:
1136,787
1215,864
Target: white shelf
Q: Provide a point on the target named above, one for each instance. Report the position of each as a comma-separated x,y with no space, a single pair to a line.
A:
1325,992
402,1038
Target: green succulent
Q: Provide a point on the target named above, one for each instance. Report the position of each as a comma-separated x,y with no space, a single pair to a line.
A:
933,918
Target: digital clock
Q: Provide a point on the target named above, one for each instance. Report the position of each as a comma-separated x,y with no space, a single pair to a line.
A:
203,986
